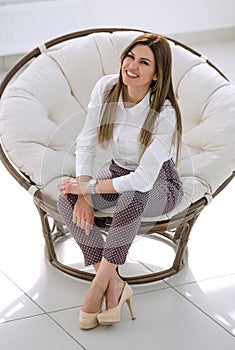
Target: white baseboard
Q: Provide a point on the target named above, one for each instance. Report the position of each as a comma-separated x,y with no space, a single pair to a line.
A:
206,36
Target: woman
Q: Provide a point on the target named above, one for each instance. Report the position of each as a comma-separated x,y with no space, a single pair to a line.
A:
137,115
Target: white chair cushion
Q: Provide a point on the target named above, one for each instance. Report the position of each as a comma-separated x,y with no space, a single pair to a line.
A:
43,110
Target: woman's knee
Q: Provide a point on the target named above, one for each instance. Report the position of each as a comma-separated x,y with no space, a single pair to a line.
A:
61,202
65,205
133,199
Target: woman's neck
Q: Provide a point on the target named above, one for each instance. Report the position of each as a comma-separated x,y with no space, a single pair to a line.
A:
133,96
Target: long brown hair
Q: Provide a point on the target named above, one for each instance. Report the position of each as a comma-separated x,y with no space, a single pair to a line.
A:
160,90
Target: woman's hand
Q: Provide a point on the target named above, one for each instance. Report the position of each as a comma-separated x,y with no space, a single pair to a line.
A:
83,214
71,185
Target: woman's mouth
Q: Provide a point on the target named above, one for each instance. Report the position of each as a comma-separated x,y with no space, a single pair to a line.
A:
131,75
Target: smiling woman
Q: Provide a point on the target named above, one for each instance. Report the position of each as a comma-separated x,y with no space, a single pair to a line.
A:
140,181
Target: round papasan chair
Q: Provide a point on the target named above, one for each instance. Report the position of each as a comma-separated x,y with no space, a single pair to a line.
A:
43,107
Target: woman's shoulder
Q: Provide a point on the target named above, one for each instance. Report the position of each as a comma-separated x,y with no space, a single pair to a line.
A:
102,88
106,83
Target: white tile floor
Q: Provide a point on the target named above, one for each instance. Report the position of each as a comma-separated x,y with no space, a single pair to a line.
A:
193,310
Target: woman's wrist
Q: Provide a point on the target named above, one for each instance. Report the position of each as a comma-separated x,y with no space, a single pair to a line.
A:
83,182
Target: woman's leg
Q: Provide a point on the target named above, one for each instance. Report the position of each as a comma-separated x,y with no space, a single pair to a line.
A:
125,225
105,281
92,244
131,206
92,248
166,193
114,288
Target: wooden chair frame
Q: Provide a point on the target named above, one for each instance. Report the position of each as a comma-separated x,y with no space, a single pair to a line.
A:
175,231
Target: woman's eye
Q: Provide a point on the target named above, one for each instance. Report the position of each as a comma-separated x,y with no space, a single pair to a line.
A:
145,62
130,56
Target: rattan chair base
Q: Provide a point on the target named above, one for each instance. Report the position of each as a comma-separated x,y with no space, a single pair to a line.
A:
175,232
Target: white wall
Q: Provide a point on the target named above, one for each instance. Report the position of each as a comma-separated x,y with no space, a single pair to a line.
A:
165,16
26,25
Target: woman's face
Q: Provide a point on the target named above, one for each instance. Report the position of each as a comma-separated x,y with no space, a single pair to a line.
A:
138,67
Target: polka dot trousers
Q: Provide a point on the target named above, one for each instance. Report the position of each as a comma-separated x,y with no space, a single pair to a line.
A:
129,209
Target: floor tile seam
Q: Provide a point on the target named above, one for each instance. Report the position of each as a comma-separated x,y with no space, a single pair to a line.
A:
64,309
200,280
26,294
145,265
203,312
152,290
65,331
22,318
51,318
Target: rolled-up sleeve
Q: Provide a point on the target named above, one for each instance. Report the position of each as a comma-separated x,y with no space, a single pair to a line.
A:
159,150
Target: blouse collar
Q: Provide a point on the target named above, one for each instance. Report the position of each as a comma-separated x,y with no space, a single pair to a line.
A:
144,103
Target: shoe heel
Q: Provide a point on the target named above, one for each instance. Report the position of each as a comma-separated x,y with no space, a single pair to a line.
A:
130,305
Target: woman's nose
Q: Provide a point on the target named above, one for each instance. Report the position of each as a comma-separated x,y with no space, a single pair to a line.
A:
134,65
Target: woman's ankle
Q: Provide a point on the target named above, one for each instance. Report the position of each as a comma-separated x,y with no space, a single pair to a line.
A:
114,291
93,301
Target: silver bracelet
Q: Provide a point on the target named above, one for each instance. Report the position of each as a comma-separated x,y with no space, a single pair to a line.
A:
91,185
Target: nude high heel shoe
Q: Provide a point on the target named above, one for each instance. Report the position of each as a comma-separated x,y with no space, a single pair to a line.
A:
87,320
113,315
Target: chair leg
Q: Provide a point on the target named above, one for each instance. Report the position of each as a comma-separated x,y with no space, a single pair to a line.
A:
46,229
182,244
182,236
51,253
58,230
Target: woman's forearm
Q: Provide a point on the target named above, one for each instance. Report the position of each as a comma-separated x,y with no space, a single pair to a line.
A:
105,186
102,186
80,186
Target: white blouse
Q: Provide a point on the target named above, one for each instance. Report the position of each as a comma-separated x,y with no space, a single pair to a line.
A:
125,144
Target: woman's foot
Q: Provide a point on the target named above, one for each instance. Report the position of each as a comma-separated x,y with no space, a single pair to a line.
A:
114,291
93,300
91,308
114,314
